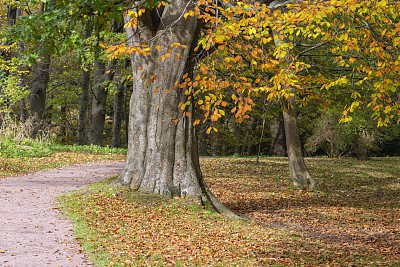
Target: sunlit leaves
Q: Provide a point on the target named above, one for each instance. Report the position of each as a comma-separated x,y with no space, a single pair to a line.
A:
342,35
312,48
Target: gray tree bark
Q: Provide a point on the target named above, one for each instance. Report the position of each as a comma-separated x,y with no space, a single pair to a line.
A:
238,139
118,110
297,168
63,122
202,136
251,148
126,115
82,120
162,151
278,143
102,77
215,149
37,99
22,82
24,114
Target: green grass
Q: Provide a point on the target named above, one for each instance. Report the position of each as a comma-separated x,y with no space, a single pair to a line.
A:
20,157
91,148
26,148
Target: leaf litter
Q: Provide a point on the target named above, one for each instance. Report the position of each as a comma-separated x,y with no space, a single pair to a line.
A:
353,220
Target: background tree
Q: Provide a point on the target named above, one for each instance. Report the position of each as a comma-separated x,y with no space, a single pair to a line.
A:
84,104
291,51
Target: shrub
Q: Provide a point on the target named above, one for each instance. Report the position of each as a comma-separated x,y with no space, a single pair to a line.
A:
15,141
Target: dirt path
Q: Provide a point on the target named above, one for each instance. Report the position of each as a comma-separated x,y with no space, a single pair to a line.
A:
32,231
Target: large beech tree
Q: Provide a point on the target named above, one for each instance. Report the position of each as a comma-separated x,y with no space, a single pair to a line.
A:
162,149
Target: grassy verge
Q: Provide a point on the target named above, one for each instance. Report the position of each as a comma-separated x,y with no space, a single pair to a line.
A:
352,221
16,159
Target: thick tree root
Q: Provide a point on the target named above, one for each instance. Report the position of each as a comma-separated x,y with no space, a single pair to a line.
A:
209,201
220,207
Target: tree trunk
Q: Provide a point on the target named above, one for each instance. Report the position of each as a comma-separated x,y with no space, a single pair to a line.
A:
278,143
48,112
24,115
251,148
11,15
82,120
238,133
118,108
37,99
297,168
101,77
22,83
22,80
203,151
126,115
215,150
63,122
162,152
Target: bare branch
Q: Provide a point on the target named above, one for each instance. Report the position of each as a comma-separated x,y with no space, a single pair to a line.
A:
311,48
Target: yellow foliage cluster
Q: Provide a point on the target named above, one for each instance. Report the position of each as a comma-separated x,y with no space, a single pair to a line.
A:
306,48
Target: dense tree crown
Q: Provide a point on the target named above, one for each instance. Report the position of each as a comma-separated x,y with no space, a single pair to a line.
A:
322,49
252,59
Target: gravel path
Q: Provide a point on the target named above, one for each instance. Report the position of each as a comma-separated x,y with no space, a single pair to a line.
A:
32,231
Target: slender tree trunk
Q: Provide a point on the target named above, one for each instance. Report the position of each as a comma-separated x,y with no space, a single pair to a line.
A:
37,99
22,83
126,115
102,77
11,15
24,114
162,151
214,144
82,120
251,148
297,168
238,133
22,80
118,109
63,122
278,143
